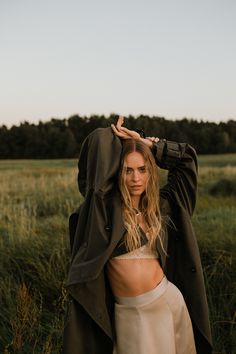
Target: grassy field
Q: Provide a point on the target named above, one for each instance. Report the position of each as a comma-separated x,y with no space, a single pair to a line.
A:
36,198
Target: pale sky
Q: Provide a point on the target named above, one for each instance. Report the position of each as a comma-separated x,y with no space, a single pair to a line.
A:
171,58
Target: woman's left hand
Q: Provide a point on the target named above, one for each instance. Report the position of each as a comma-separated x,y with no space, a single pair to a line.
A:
125,133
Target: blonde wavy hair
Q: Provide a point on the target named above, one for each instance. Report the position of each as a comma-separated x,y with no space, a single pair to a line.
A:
149,201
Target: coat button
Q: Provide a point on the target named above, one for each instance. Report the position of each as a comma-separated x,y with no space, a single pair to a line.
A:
107,228
85,244
176,238
193,270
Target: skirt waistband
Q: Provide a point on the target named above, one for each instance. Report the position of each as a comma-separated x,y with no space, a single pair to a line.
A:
147,297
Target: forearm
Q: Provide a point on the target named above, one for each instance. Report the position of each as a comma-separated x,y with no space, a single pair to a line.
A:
181,161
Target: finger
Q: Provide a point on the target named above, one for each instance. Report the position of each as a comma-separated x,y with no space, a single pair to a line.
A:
114,128
152,138
119,122
119,133
131,133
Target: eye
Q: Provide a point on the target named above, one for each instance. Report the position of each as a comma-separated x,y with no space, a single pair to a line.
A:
128,171
142,169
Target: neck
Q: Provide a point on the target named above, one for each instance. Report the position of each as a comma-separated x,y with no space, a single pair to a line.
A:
135,202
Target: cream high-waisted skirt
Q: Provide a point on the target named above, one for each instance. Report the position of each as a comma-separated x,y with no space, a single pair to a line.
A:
156,322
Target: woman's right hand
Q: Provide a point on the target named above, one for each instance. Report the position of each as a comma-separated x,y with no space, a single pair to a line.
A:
123,132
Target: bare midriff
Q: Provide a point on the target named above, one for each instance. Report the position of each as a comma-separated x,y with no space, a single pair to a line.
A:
132,277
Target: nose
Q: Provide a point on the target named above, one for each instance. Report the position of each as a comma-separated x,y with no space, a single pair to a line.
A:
135,176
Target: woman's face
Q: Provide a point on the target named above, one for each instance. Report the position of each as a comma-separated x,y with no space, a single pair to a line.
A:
136,173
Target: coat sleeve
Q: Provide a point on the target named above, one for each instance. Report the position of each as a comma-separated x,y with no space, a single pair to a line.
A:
180,160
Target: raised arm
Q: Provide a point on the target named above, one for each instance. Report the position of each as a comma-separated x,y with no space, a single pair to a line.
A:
178,158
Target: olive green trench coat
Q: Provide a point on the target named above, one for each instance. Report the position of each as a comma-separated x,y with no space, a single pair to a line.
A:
97,227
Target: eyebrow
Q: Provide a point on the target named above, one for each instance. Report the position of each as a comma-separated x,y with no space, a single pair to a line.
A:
131,168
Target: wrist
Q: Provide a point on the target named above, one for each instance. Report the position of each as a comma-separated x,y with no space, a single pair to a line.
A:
147,142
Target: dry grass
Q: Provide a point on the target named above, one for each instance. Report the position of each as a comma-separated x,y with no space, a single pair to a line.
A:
36,198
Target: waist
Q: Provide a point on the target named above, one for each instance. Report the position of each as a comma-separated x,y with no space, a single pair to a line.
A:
131,277
146,297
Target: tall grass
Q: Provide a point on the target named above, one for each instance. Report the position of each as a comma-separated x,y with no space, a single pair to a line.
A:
215,226
36,198
35,203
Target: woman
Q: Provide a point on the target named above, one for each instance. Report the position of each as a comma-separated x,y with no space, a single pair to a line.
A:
126,242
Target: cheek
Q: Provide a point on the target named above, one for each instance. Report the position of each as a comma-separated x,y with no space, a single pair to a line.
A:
127,180
145,179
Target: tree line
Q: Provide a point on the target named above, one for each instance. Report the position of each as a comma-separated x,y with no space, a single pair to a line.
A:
62,138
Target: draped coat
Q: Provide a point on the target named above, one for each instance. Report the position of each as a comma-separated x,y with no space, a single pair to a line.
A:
96,227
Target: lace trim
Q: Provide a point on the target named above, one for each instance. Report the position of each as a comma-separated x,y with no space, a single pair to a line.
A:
139,253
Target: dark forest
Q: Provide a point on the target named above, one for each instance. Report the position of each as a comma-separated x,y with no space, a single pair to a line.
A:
62,138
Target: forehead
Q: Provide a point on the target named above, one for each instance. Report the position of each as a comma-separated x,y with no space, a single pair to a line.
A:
134,159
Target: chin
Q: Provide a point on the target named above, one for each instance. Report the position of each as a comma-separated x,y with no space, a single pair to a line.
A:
138,193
